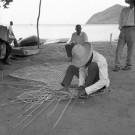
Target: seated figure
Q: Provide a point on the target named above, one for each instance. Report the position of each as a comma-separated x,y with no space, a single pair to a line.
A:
90,67
78,37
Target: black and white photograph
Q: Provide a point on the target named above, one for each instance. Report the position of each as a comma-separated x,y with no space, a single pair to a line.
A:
67,67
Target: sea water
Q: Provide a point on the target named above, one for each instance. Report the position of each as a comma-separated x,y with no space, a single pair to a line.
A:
98,32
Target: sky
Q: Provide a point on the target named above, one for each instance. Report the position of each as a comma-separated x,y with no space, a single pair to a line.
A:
54,11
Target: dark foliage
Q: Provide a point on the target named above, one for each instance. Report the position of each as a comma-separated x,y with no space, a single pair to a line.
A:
5,3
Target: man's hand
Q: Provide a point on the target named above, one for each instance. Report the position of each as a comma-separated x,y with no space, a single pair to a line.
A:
81,92
81,87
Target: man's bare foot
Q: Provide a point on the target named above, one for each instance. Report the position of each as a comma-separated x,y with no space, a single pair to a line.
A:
64,90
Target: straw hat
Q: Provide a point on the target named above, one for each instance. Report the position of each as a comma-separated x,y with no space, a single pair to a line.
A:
81,54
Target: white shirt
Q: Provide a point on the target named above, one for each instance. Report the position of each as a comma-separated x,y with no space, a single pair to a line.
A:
126,17
78,39
11,35
103,74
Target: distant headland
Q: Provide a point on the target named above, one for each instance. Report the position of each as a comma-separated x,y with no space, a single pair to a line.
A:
108,16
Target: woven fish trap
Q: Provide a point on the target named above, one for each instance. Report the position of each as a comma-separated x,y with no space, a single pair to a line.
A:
36,97
50,75
41,96
46,80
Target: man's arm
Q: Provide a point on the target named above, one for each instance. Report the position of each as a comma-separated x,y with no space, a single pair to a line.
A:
71,40
103,80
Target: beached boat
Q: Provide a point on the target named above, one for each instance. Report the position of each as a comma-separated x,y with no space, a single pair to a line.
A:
27,46
29,41
25,51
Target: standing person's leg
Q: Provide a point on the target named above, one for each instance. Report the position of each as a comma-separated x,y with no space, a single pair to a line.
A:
93,74
8,51
119,49
70,72
130,37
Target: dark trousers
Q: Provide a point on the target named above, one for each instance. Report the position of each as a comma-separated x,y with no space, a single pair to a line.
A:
69,48
93,75
8,51
127,35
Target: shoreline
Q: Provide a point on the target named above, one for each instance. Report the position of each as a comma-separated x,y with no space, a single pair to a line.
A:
65,40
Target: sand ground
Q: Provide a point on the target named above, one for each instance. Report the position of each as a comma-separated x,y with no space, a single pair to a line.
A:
109,114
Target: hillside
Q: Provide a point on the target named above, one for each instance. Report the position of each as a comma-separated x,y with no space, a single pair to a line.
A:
108,16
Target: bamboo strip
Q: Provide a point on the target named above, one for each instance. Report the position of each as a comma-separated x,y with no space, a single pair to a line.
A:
11,83
2,75
12,103
14,100
19,109
26,110
37,115
21,88
54,108
73,104
27,116
62,113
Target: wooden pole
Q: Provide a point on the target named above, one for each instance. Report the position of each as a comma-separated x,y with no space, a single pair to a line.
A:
110,39
38,22
134,13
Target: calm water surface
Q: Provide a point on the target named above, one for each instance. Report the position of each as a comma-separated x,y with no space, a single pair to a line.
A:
94,32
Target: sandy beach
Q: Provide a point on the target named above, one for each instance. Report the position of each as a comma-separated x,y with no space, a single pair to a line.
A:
110,114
